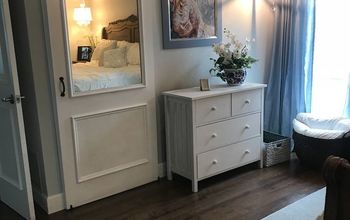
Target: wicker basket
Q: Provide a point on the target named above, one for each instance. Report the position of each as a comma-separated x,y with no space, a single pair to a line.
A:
276,150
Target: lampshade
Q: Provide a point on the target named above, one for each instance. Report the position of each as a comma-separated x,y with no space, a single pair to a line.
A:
82,15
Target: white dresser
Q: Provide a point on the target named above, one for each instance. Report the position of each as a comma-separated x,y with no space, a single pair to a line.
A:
211,132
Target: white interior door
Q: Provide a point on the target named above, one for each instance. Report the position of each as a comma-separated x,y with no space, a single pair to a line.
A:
107,138
15,185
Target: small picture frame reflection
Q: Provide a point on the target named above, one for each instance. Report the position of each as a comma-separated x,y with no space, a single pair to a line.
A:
204,85
84,53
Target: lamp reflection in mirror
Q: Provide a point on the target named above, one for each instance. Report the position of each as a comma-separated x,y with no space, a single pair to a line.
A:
82,15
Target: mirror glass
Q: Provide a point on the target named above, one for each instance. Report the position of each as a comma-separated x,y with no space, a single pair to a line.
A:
104,44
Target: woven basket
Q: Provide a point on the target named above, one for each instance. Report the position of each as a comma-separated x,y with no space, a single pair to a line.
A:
276,150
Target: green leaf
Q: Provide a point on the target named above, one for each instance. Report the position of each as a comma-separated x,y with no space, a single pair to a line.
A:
220,60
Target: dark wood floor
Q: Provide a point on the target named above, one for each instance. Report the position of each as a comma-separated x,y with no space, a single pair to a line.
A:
246,193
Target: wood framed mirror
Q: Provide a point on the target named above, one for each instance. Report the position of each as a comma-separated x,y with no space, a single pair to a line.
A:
104,46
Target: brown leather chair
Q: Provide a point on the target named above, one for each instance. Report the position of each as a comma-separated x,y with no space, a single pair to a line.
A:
336,172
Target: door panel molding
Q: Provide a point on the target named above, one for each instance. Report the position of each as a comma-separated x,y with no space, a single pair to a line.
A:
112,170
80,134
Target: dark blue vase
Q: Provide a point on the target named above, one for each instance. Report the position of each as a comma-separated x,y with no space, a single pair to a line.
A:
234,77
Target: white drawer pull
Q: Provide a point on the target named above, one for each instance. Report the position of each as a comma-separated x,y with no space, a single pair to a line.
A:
215,162
247,101
214,135
213,108
247,126
247,152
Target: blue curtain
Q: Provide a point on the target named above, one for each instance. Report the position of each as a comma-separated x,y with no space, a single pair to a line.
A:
290,77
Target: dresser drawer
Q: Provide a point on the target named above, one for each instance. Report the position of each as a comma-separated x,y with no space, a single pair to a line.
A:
245,102
214,108
225,158
227,132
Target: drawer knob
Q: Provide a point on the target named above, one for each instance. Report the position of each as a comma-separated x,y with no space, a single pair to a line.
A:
215,162
247,126
247,152
247,101
214,135
213,108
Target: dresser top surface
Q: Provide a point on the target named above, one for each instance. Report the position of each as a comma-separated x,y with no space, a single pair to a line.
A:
215,90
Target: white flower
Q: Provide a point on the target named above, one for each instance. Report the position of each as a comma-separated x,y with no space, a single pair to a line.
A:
218,48
233,53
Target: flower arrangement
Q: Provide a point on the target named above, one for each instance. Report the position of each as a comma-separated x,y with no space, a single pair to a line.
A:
93,41
233,55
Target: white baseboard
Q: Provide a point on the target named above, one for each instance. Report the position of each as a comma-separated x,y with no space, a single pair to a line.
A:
50,204
161,170
55,203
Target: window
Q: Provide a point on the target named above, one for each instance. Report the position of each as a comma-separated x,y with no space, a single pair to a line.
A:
331,67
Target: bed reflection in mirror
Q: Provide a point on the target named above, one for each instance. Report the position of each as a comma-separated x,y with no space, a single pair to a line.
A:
104,43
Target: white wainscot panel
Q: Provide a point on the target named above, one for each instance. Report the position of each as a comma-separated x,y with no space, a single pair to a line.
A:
110,141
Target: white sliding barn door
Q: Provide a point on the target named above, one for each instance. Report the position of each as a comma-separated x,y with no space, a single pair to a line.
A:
107,140
15,185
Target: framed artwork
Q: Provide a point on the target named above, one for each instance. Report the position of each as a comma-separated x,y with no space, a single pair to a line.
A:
84,53
191,23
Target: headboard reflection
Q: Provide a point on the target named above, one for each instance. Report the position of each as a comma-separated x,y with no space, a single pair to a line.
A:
124,29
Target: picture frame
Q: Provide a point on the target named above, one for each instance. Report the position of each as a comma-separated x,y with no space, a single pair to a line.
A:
204,85
181,33
84,53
